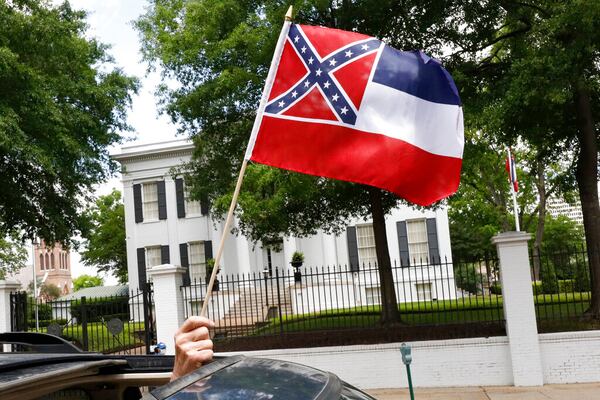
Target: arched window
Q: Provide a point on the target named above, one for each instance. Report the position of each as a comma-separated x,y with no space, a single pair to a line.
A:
52,260
41,261
47,261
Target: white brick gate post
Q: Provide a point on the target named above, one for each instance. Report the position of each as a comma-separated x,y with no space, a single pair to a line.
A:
6,287
519,310
168,302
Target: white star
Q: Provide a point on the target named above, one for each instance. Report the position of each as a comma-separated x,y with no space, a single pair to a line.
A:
349,53
332,62
327,84
344,110
310,60
303,49
318,72
365,47
294,94
281,104
306,83
335,97
296,39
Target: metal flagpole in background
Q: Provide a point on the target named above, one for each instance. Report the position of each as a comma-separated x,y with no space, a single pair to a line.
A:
259,113
512,175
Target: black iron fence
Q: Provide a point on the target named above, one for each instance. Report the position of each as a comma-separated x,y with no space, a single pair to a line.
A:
110,324
561,288
339,305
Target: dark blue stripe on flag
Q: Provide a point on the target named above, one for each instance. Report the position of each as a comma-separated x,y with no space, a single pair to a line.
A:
417,74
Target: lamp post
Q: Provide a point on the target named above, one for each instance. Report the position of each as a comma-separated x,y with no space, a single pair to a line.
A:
405,350
266,274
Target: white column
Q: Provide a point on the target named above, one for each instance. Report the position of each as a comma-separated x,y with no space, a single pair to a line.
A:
329,250
6,287
519,310
168,302
243,255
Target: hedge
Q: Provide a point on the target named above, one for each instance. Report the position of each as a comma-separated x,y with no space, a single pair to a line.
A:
99,309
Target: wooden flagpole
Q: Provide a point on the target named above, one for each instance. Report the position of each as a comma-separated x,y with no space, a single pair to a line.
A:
259,114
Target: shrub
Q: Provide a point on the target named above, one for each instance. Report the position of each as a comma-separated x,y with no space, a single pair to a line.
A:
43,323
44,310
582,278
468,279
496,288
548,278
102,308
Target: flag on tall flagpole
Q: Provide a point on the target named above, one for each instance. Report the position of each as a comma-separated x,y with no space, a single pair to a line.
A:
344,105
512,171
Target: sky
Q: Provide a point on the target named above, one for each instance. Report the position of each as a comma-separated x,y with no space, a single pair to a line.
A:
110,21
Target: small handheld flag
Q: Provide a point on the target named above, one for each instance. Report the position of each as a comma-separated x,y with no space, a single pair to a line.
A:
512,171
346,106
511,168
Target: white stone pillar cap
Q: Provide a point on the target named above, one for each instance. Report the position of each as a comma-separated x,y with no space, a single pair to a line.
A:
511,237
166,269
4,284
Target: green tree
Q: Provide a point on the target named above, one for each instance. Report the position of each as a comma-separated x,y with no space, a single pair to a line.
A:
61,106
86,281
49,291
104,236
219,51
534,77
13,257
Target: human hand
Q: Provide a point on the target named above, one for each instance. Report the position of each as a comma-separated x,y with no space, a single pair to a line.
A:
193,346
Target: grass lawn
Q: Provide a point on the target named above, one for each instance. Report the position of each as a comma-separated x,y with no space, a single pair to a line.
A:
101,340
468,309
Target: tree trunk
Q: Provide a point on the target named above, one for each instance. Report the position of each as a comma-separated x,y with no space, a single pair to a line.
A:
539,233
587,181
389,304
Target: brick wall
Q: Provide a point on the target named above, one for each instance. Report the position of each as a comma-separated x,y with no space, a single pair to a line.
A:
568,357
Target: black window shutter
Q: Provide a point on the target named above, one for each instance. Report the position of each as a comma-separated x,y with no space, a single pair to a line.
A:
403,243
164,255
432,241
180,195
137,203
352,248
141,260
185,263
162,200
204,205
208,253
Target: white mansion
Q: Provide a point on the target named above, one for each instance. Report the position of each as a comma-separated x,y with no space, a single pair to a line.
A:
164,226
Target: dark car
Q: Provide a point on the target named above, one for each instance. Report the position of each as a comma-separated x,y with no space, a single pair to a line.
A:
53,369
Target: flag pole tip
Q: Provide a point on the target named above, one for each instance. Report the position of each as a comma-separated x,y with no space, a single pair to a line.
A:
288,14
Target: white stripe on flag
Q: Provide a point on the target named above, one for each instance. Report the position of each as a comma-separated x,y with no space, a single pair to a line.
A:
433,127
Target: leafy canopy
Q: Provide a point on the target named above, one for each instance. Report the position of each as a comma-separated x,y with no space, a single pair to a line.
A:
104,236
61,107
86,281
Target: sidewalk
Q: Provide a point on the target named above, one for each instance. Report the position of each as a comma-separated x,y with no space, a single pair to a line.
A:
580,391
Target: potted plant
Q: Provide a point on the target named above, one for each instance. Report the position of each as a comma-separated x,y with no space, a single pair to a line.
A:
210,265
297,260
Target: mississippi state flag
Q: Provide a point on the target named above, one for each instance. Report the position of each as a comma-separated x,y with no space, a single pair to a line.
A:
346,106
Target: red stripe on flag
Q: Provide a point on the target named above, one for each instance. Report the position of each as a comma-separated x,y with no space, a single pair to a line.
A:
349,154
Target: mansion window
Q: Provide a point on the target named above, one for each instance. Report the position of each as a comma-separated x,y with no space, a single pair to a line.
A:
150,201
192,207
423,291
418,247
197,261
153,256
365,238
